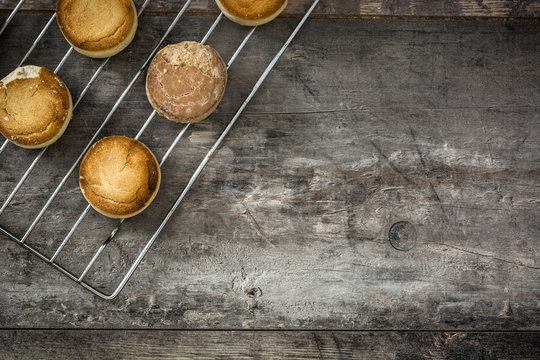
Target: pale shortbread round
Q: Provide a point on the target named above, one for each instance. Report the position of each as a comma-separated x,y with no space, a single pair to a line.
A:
251,12
35,107
97,28
119,176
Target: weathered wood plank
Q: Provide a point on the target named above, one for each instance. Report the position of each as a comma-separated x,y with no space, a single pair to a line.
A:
120,344
435,123
430,8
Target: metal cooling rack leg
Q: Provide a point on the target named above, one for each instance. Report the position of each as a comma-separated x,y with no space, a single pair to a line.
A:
40,154
114,108
205,160
11,16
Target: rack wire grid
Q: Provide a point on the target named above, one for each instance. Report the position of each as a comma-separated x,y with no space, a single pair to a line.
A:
51,260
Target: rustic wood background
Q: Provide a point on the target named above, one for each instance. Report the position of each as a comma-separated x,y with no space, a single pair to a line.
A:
363,123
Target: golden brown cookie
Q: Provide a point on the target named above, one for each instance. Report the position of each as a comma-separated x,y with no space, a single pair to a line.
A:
119,176
251,12
97,28
186,81
35,107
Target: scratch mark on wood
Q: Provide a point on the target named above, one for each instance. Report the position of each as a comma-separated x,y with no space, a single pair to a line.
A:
482,5
427,173
392,165
318,345
420,154
254,224
364,265
335,212
487,141
507,310
338,344
436,195
486,255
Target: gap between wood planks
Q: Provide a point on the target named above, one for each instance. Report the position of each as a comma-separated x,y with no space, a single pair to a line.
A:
359,331
324,16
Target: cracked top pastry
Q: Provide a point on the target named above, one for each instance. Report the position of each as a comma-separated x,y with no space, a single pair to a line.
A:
97,28
119,176
251,12
186,81
35,107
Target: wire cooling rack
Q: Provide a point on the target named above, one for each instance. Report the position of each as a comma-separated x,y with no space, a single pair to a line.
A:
51,260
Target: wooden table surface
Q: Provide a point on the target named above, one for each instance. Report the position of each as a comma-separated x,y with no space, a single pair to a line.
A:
429,114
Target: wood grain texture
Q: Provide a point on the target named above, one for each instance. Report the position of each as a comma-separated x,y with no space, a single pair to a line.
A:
429,8
436,123
119,344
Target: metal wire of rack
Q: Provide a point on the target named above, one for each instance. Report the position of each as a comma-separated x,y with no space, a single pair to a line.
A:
51,260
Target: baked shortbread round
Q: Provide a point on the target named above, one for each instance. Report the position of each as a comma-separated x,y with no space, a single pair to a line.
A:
186,81
250,12
35,107
119,176
97,28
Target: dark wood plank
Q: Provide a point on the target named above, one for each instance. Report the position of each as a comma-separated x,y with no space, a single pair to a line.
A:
428,8
436,123
119,344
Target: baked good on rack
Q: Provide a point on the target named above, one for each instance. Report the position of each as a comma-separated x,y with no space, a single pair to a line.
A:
35,107
186,81
250,12
97,28
119,176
